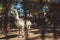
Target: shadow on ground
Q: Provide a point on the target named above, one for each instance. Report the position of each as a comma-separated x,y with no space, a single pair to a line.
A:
8,37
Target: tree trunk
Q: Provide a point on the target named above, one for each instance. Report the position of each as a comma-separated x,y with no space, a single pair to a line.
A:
25,11
6,4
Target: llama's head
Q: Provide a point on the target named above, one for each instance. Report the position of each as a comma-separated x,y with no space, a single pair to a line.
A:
14,12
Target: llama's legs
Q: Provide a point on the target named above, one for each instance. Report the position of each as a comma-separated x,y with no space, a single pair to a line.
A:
22,29
28,28
19,33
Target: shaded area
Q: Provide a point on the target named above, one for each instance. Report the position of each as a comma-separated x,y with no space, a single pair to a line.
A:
8,37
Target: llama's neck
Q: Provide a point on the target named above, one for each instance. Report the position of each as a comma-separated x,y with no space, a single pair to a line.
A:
17,16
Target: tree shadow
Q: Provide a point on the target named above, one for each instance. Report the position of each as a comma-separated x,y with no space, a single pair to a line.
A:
54,32
8,37
43,33
41,30
35,32
34,38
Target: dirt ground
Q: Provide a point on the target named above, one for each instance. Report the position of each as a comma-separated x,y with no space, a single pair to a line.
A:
34,34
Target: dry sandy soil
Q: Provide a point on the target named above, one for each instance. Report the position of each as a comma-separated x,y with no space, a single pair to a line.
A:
34,34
